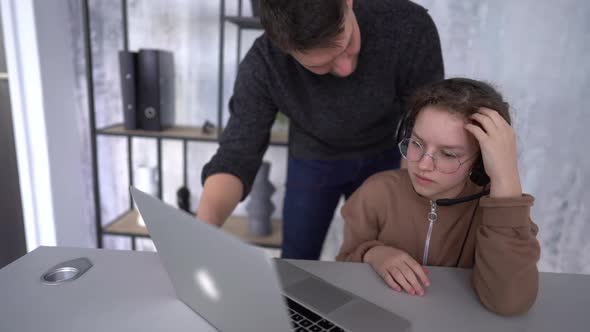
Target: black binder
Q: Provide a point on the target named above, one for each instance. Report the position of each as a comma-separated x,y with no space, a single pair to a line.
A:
127,70
155,89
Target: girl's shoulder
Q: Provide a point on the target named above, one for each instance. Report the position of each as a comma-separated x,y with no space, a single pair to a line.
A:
395,176
389,181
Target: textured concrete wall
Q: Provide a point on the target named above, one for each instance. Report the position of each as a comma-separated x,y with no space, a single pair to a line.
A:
536,52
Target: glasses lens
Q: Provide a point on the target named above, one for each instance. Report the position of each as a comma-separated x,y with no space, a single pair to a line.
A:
411,149
447,163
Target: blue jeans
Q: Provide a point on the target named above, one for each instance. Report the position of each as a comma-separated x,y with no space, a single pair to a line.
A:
314,188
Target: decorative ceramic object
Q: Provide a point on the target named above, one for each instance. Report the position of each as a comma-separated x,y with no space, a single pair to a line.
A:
260,206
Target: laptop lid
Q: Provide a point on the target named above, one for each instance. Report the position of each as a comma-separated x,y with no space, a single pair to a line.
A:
227,282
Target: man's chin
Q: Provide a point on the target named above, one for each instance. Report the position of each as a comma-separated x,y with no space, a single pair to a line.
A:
345,75
341,76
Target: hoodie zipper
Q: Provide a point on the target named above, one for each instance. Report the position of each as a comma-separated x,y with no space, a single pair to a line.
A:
432,218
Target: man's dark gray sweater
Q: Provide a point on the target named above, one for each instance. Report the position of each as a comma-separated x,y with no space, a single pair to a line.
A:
330,117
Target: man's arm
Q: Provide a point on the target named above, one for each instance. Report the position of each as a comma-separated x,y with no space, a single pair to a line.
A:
221,193
228,177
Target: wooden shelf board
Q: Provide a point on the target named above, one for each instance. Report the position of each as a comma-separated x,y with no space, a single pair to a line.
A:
177,132
245,22
128,225
182,132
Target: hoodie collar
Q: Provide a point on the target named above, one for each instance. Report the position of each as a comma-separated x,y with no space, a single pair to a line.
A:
469,189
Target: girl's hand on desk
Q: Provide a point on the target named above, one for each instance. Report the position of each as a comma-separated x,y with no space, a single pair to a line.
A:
398,269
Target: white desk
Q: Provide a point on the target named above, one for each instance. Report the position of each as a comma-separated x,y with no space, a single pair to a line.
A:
130,291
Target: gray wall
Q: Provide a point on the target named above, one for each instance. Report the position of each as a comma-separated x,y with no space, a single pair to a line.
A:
536,52
12,236
47,117
62,114
2,54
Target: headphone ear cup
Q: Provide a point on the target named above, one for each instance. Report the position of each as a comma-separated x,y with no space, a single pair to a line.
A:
404,127
478,174
400,132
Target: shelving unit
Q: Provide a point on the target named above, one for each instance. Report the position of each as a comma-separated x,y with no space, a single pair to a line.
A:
126,224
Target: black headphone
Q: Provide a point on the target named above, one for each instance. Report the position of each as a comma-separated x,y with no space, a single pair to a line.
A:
478,174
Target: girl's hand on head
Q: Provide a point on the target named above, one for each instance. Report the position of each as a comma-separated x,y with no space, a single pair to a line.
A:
497,142
398,269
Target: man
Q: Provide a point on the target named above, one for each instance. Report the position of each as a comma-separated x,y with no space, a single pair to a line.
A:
340,70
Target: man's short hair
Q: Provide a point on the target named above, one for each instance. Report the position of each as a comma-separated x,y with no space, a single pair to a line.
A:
301,25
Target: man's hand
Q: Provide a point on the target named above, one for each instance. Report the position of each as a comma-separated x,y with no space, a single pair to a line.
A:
398,269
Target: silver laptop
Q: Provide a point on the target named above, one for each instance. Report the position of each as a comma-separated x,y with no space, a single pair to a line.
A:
236,287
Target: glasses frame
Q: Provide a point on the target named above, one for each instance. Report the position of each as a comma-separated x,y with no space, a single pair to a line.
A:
432,156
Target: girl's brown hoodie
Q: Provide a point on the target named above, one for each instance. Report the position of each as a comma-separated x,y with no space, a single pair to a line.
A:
494,236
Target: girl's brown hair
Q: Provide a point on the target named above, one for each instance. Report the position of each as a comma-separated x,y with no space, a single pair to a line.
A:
460,96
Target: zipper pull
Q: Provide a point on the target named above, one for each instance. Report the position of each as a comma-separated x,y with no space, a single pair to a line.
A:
432,218
432,215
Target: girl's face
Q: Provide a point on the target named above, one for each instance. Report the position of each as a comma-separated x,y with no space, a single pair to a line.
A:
441,134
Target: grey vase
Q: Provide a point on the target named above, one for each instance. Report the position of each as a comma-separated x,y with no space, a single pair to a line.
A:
260,206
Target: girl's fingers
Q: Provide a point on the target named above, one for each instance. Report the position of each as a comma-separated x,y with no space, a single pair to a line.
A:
419,271
399,277
390,282
412,280
495,117
486,122
476,131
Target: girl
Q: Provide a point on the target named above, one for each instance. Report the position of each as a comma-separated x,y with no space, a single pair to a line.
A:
459,202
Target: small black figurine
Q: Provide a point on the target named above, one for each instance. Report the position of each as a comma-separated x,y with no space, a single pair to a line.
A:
183,199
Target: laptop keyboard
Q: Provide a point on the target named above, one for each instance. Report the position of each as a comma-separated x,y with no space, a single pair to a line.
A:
304,320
